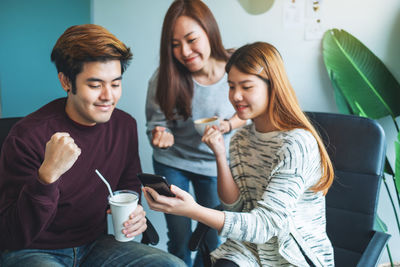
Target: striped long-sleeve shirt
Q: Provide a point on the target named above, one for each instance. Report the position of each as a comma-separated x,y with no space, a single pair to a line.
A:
274,172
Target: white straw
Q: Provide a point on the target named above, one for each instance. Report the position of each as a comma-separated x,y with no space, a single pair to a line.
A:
105,181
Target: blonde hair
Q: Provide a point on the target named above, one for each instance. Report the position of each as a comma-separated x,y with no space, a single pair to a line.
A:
263,60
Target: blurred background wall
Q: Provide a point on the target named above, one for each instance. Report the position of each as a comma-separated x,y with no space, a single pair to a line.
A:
28,32
29,29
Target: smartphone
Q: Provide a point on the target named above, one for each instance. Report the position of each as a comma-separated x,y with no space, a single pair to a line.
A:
157,182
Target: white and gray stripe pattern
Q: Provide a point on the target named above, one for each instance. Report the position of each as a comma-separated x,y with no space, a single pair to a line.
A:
274,172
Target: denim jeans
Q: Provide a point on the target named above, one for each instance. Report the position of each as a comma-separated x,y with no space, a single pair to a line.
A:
105,251
179,228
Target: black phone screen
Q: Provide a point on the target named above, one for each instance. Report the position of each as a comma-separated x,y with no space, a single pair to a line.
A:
157,182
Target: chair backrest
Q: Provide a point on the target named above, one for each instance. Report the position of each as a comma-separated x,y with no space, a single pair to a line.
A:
357,149
5,126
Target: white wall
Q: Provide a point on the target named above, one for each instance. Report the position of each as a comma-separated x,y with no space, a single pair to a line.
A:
138,24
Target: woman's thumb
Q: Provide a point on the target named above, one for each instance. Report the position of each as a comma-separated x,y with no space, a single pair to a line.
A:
177,191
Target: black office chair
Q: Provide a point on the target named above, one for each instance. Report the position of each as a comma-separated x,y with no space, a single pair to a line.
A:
150,236
357,149
5,126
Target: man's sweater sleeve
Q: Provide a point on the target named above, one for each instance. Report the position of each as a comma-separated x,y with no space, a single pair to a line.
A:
129,179
27,206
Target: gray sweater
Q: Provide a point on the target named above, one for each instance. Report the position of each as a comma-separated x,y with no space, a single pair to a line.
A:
188,152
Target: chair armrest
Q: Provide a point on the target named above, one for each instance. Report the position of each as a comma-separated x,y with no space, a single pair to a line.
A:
374,249
150,236
198,235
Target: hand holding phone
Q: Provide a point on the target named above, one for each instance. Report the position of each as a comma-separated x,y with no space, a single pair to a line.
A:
157,182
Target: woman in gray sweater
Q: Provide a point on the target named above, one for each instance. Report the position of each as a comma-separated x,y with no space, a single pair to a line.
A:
274,187
189,84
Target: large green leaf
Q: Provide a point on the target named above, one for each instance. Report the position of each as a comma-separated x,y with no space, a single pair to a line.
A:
397,163
341,101
364,81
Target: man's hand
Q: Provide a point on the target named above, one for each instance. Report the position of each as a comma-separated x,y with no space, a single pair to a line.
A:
162,138
136,224
61,153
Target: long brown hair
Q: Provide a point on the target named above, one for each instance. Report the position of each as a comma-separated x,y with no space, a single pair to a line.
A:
175,85
263,60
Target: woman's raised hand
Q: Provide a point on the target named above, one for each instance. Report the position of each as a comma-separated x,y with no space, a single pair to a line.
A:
162,138
215,140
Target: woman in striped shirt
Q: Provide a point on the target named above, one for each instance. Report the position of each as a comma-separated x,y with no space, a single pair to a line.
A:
274,187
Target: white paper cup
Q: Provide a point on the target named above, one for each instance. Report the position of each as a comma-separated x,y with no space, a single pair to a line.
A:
200,124
122,204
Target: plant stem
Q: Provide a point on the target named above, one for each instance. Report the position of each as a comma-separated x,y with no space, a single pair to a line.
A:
395,124
396,189
391,201
389,254
397,175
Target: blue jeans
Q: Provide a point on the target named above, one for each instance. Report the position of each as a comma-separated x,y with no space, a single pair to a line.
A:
105,251
180,228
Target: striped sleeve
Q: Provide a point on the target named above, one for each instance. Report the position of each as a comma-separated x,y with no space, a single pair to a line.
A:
284,188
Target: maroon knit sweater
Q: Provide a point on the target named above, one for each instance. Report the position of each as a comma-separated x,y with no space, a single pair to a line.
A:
71,211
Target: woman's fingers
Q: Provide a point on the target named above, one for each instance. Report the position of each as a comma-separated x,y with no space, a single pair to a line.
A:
166,140
154,199
179,193
156,136
162,138
212,136
183,204
162,203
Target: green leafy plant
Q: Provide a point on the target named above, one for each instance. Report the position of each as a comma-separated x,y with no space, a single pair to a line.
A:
364,86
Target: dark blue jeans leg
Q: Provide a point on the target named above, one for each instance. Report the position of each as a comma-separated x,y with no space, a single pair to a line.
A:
179,227
37,258
205,189
106,251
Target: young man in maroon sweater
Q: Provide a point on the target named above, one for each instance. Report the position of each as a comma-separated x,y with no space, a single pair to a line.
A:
52,204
